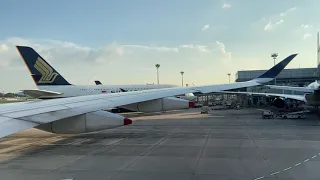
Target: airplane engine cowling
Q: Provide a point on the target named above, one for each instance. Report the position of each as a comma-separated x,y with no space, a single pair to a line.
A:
89,122
189,97
279,103
157,105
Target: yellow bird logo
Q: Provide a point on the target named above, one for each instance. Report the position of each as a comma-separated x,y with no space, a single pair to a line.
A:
48,76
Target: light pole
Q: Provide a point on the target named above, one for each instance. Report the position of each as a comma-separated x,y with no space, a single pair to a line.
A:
157,66
229,76
182,77
274,56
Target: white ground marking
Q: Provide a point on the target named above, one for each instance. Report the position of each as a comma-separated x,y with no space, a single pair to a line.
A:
259,178
274,173
298,164
288,168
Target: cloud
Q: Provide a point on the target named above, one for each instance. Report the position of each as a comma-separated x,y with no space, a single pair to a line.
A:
279,22
306,36
305,26
63,51
127,63
3,48
53,50
278,19
222,49
270,26
200,48
155,48
206,27
288,11
110,52
305,31
226,5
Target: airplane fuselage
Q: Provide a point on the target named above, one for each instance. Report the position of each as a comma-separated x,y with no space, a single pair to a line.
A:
82,90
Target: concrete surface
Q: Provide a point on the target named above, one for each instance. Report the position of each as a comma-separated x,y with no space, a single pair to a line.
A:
223,145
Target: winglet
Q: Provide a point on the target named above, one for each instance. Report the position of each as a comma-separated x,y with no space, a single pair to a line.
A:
275,70
40,70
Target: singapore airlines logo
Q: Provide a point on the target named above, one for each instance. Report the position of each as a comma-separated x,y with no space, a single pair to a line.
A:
47,74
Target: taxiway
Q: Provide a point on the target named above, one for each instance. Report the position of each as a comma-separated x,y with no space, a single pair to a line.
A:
224,145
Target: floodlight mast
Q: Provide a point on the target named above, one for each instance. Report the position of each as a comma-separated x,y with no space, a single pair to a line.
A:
181,77
274,56
157,66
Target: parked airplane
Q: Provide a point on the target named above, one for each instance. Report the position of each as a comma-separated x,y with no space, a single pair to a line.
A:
84,114
52,85
311,88
189,96
279,99
312,91
311,96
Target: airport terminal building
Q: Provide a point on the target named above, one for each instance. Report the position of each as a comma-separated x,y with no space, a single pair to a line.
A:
288,77
293,77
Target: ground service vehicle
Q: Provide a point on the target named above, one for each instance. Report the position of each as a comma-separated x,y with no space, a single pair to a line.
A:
267,114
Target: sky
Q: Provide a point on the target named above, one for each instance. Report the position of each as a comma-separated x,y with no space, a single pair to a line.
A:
120,41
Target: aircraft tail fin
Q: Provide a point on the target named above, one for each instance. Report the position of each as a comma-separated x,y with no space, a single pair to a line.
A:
40,70
122,90
97,82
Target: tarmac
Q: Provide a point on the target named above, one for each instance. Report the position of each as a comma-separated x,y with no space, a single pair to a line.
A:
179,145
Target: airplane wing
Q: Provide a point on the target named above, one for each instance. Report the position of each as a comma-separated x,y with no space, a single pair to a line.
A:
289,96
301,89
19,116
15,117
35,93
265,77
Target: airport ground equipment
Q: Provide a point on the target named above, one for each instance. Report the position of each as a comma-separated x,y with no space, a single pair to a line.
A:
204,109
294,115
267,114
238,106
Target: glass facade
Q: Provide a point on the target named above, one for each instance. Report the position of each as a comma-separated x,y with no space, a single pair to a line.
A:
301,76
